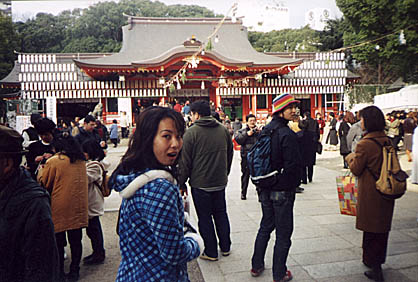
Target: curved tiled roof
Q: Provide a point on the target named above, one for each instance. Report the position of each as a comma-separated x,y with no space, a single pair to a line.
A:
13,76
153,40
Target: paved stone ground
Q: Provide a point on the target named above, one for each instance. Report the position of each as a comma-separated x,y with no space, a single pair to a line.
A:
325,245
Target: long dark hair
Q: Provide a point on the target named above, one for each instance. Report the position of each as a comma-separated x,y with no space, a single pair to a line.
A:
65,144
140,153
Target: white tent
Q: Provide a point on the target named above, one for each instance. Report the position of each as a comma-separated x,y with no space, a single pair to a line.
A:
358,107
404,99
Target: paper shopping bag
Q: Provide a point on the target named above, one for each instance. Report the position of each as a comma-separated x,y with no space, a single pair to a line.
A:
347,193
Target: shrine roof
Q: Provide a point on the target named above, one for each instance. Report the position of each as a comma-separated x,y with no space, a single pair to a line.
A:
13,76
153,41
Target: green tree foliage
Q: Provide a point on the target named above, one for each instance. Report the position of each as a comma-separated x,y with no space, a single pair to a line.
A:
371,19
43,34
94,29
331,37
7,45
287,40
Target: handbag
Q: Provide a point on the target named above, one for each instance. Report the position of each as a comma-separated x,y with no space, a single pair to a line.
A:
319,148
347,188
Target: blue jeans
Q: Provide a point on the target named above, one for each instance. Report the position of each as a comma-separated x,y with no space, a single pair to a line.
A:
210,205
277,208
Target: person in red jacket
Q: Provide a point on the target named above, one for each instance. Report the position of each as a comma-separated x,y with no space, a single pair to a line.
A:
321,124
177,107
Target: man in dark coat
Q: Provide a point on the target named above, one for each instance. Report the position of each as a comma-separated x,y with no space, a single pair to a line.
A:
246,137
41,150
27,238
332,135
309,142
30,135
342,134
88,132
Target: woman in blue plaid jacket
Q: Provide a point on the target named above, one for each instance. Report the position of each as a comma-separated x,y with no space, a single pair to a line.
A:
153,245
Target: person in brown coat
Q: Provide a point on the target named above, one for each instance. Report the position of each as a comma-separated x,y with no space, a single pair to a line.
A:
64,176
374,213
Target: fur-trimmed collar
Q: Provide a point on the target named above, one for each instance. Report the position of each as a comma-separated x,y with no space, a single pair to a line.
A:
143,179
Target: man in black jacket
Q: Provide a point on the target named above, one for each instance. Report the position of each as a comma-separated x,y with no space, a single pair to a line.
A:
27,238
30,135
41,150
277,202
88,132
309,138
246,137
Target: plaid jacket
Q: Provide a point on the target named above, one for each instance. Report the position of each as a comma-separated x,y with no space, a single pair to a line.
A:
152,243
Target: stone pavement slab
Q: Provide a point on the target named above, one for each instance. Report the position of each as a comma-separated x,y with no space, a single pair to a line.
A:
325,244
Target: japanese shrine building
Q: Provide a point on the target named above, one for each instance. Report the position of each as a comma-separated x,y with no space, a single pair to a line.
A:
229,73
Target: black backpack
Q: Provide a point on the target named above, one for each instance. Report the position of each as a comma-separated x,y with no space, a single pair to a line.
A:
262,173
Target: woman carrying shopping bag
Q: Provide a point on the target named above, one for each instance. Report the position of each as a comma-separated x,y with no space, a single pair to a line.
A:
374,212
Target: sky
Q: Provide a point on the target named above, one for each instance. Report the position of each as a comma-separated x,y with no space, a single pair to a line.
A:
257,13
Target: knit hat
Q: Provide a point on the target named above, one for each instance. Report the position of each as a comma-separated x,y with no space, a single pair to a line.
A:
10,141
282,101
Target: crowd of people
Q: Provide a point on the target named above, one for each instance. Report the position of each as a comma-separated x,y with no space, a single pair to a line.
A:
58,196
173,152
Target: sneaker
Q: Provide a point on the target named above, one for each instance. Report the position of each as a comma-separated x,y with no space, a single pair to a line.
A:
206,257
225,254
287,277
243,197
299,189
256,272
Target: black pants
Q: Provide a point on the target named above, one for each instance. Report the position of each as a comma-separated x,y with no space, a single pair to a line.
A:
124,132
74,238
374,248
210,208
395,141
307,173
95,233
114,141
245,176
344,161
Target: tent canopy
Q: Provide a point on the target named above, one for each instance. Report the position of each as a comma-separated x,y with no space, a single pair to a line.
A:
404,99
